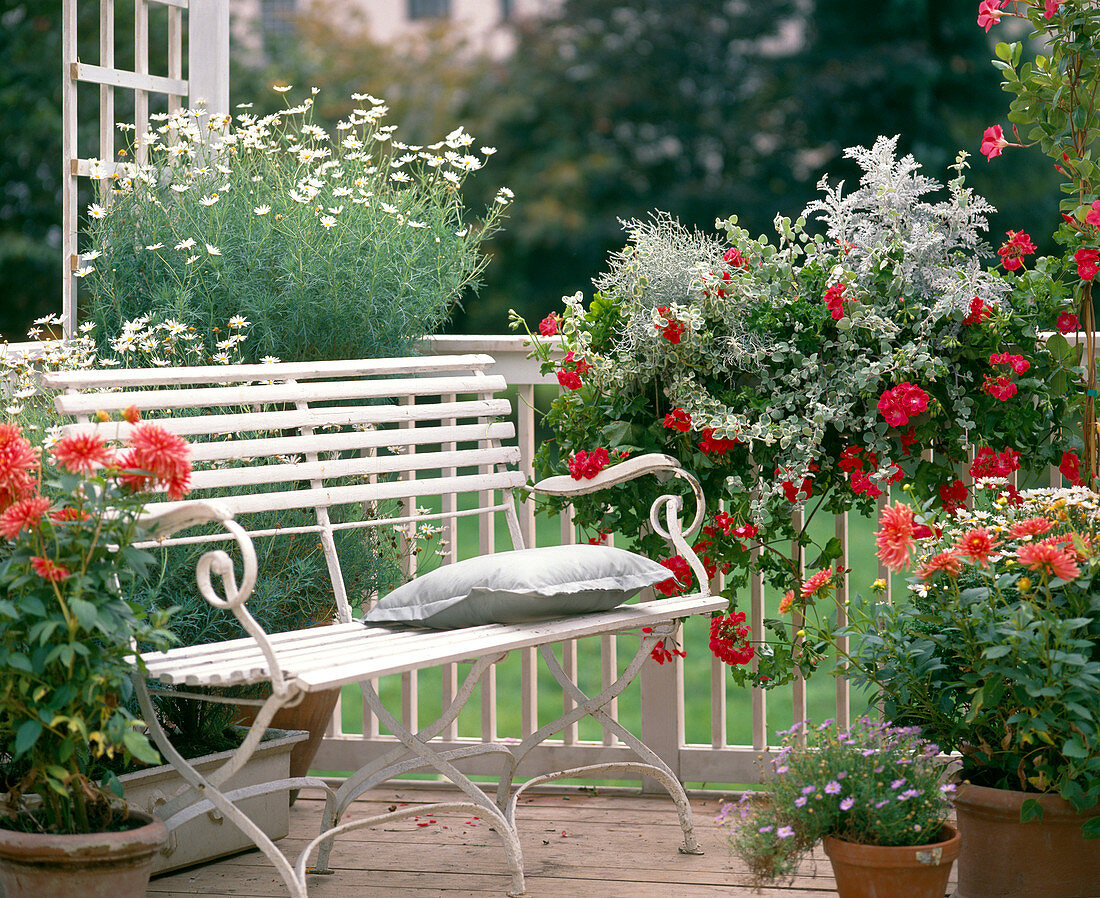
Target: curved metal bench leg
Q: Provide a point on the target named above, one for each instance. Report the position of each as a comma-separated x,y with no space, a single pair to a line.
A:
208,788
649,763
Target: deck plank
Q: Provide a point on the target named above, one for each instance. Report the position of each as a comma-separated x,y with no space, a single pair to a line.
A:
600,844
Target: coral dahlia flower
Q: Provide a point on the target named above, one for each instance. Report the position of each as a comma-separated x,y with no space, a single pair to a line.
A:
894,540
1050,559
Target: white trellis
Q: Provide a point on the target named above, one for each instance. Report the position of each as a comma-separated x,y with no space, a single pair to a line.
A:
202,26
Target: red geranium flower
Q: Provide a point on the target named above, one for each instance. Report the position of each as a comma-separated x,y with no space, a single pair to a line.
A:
678,419
979,311
548,327
953,495
1086,260
990,464
681,580
671,329
729,639
1014,249
586,465
1067,323
734,259
1070,467
1001,388
712,445
1018,363
834,300
899,404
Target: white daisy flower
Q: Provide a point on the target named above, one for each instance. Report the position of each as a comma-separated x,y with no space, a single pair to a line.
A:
191,259
83,271
282,89
416,224
92,256
386,207
96,211
327,221
238,321
262,210
488,151
186,244
209,200
154,246
451,177
336,210
400,177
269,360
341,191
213,250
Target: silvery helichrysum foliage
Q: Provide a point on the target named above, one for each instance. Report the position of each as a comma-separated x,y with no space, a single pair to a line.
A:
758,356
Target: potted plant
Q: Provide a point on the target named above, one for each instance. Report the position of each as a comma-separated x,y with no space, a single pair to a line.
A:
875,795
67,637
995,653
809,374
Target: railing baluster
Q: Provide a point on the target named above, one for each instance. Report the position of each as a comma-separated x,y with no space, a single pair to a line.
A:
843,690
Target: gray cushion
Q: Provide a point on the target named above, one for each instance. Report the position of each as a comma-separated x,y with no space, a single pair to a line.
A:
524,585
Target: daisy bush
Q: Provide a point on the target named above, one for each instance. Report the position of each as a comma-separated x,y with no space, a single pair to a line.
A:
874,784
873,343
335,245
68,520
995,651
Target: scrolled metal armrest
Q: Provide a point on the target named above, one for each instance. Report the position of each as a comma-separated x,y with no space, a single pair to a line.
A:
163,522
651,463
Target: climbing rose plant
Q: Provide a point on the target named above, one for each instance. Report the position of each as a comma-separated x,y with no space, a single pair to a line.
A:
806,374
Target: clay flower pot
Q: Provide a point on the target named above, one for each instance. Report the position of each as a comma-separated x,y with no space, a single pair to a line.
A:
1004,858
879,871
91,865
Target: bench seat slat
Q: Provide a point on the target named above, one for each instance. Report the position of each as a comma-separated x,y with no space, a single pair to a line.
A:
262,394
124,377
196,425
348,657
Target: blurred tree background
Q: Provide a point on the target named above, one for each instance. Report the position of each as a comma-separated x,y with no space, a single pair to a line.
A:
604,112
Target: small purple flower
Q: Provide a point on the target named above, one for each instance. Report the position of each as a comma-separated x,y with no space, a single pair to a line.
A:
783,768
832,788
842,774
806,790
882,804
909,793
948,788
846,803
785,832
800,802
766,829
898,783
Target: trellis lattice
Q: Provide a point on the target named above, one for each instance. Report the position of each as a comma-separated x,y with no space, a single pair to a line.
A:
202,26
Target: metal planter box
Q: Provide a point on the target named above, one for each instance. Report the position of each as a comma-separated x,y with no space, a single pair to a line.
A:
209,836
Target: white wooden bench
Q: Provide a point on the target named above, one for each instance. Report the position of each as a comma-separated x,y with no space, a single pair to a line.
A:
354,434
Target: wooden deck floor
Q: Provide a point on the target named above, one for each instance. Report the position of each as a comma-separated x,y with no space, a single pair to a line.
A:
596,845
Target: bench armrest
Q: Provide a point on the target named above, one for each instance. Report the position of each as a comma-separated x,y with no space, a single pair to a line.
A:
162,523
664,467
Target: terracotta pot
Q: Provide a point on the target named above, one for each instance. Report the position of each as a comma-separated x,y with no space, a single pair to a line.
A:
889,871
312,714
96,865
1004,858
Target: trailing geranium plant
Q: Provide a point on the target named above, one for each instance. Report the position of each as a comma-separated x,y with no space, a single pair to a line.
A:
1055,108
69,519
810,374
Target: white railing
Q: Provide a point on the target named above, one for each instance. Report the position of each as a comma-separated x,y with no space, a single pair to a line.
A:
659,703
